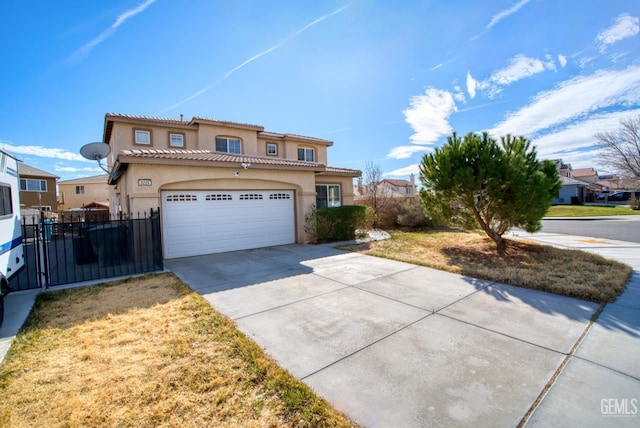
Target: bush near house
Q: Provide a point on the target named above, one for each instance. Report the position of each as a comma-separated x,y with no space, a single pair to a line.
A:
337,223
401,212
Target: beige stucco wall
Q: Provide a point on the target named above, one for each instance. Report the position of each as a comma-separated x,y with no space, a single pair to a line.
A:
203,138
136,199
93,192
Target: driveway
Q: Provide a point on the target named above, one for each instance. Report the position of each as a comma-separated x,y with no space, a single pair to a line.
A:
394,344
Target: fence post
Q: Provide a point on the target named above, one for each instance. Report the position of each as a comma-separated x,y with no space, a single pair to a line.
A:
42,247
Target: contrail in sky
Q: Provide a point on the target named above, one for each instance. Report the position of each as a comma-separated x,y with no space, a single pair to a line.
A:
84,51
258,55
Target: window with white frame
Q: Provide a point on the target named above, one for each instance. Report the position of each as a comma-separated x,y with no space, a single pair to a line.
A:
143,137
176,140
328,195
33,185
79,190
272,149
306,154
228,145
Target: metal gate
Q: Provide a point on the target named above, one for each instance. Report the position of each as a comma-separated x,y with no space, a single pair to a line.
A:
67,249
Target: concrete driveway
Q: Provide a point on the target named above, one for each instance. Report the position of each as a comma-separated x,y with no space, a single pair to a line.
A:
394,344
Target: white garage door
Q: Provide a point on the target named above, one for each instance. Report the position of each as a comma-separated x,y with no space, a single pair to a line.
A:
205,222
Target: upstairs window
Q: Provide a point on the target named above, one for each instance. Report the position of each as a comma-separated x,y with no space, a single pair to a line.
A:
176,140
79,190
32,185
143,137
305,154
228,145
272,149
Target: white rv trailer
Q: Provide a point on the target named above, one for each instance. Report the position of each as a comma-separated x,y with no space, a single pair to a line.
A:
11,250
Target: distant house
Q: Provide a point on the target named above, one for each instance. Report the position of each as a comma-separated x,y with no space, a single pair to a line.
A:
37,188
389,188
614,182
83,192
564,169
589,175
573,191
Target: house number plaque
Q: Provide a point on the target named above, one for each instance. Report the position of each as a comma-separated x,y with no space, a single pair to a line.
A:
144,182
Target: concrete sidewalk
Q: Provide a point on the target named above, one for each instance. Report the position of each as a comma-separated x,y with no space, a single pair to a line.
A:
600,384
393,344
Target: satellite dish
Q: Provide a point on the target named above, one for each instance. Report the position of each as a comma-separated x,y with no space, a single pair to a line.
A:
95,151
98,151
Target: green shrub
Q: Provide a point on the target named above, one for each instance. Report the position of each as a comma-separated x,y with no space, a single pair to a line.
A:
337,223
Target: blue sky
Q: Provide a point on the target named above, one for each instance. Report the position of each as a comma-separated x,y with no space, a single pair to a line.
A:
386,81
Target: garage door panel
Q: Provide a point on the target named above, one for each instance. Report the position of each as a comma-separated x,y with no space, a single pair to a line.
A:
203,222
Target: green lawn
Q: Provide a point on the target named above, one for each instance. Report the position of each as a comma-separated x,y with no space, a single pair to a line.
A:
589,211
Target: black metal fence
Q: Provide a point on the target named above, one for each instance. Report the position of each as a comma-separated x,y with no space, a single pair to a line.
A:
65,249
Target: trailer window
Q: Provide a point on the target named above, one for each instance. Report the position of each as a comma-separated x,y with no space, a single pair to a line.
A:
6,207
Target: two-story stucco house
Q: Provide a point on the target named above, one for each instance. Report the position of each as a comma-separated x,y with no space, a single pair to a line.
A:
220,186
82,192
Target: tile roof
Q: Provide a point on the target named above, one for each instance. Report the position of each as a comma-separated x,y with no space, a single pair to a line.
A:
570,181
93,179
140,118
332,170
193,123
582,172
208,155
26,170
125,156
398,182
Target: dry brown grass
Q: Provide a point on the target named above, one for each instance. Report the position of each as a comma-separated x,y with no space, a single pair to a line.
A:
146,352
570,273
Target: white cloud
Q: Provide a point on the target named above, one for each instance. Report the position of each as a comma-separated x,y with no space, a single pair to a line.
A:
572,99
428,115
58,168
520,67
405,152
580,135
86,49
506,12
550,63
458,95
403,172
623,27
471,85
42,152
562,60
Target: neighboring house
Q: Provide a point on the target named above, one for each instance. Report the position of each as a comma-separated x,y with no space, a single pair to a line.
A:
220,186
564,169
571,188
614,182
80,192
589,175
37,188
388,188
399,188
